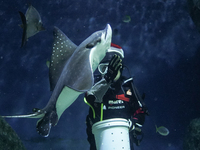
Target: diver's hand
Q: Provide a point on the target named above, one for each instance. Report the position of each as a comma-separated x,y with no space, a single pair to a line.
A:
114,67
134,125
135,131
131,124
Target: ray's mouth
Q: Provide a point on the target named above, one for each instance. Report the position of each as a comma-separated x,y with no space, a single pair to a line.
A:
107,30
106,33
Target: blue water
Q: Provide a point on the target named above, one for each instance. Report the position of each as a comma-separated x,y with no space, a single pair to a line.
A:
162,50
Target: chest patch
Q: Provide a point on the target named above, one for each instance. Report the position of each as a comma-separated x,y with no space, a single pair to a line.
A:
122,97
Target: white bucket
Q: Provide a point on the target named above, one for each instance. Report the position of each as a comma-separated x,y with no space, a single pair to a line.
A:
112,134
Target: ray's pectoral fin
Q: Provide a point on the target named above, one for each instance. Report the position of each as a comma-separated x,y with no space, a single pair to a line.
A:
24,26
63,48
40,27
44,125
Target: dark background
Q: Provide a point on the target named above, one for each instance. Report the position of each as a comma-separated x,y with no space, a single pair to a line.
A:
162,50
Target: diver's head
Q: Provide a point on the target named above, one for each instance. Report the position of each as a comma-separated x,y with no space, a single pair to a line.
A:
114,49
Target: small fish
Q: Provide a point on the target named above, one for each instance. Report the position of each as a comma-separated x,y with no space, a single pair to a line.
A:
162,130
31,23
126,19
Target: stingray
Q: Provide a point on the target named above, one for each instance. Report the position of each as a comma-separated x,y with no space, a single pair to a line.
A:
31,23
70,74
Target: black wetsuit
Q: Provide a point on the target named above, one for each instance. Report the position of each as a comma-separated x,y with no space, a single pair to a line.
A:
118,102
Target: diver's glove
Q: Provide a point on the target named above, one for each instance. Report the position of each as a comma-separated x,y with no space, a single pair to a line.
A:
114,67
134,124
136,131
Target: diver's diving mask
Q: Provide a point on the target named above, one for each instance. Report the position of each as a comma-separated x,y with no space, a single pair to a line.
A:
103,68
114,49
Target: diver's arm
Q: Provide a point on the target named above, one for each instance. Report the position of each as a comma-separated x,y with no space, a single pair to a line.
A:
139,109
112,75
99,90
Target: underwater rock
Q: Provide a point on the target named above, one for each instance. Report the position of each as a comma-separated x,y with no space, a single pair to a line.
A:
192,137
194,10
8,138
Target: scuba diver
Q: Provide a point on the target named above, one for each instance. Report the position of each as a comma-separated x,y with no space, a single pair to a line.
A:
116,96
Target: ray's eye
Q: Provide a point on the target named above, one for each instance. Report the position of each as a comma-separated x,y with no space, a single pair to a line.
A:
91,45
